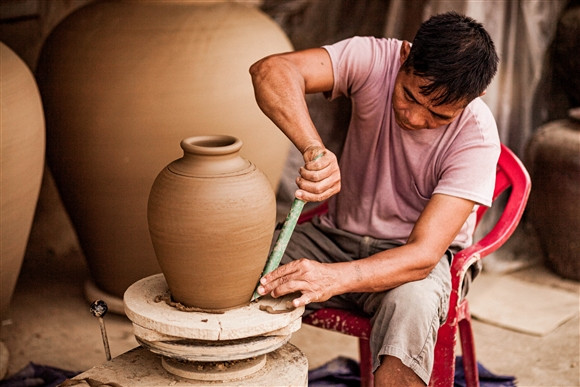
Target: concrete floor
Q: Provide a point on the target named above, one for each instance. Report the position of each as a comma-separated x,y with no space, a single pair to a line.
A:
50,323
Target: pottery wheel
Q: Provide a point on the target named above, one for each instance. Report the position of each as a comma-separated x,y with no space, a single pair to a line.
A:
229,370
209,351
236,334
285,367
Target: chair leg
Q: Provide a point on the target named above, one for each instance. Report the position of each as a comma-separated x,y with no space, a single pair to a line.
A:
443,374
468,350
366,363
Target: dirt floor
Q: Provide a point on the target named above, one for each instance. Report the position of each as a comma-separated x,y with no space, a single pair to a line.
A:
50,323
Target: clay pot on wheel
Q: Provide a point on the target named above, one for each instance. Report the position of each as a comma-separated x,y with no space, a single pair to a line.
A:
21,164
211,217
122,83
554,158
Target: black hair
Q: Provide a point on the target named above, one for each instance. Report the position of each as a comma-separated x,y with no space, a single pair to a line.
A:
456,55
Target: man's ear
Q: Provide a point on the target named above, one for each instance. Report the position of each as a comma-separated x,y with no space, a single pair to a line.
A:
483,93
405,49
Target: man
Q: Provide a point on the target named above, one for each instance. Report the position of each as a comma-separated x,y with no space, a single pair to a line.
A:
419,156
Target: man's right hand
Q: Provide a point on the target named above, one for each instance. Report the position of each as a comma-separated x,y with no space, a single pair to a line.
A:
319,177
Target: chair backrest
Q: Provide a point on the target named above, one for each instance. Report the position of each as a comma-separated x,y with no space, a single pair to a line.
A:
511,174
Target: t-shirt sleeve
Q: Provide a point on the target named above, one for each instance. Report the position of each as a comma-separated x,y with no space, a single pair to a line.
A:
358,63
470,167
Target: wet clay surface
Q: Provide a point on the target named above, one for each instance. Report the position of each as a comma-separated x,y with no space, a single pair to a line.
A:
211,217
166,297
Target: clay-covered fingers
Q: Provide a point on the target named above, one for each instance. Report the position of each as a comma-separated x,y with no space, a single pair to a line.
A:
310,278
273,280
319,178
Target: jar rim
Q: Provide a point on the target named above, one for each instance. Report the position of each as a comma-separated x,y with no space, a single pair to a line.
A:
218,144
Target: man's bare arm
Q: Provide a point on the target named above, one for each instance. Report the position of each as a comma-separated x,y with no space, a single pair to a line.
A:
280,84
434,231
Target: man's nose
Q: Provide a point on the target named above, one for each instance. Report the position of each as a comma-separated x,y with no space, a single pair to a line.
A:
417,119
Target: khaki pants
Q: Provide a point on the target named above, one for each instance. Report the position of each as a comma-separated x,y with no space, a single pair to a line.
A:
404,320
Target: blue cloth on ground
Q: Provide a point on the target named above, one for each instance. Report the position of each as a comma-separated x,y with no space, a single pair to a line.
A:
486,378
37,375
340,372
345,372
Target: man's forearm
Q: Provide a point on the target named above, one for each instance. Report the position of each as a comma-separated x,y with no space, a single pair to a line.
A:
386,270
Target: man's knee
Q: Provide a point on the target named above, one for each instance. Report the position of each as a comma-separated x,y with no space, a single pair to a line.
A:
410,300
405,322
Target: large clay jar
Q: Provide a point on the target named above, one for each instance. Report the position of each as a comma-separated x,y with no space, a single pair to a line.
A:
554,164
21,163
122,83
211,216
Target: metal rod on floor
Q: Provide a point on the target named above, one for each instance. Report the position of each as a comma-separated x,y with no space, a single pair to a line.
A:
99,309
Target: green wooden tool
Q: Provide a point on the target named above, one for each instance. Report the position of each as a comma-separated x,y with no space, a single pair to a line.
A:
283,238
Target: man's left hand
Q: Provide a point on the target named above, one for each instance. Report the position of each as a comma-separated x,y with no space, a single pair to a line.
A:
316,281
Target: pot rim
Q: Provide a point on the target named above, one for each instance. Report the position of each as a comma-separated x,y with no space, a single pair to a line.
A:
219,144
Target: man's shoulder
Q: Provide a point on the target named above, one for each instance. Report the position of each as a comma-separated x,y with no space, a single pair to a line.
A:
479,107
475,131
478,114
362,65
373,40
371,43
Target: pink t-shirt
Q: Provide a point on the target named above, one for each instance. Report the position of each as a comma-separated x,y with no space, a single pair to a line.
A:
388,173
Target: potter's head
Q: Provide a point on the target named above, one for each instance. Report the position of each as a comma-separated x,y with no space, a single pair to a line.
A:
452,61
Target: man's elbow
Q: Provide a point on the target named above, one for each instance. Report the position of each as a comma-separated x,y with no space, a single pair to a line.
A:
255,68
262,67
426,262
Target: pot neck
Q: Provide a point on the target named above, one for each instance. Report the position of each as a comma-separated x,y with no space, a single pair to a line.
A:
205,156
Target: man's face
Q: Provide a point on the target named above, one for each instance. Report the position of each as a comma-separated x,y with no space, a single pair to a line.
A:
414,111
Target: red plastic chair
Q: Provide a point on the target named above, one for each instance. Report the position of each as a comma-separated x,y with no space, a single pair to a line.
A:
510,174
